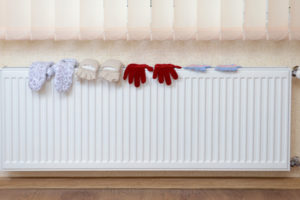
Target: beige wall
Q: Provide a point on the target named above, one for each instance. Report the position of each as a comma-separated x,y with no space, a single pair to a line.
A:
245,53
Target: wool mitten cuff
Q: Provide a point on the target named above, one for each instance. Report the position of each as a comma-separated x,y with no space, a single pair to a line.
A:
87,69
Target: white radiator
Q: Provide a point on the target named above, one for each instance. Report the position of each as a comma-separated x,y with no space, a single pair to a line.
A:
204,121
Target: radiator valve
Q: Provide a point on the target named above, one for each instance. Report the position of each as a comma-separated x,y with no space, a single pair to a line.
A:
295,161
296,72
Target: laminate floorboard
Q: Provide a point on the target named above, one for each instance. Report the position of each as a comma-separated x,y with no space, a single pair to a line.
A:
147,194
150,183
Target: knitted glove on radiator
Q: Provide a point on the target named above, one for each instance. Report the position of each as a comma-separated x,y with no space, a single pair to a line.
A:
137,73
64,70
87,69
111,70
38,74
227,68
163,72
198,68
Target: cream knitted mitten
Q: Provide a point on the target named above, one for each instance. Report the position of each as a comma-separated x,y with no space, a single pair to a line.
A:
111,70
87,69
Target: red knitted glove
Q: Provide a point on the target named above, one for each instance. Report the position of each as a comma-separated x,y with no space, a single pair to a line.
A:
163,72
136,72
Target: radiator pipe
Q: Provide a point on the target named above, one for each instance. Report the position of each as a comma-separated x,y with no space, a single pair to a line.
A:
296,72
295,161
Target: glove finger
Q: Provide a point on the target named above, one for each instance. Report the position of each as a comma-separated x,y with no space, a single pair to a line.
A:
131,77
167,78
137,79
126,73
178,67
155,73
143,77
161,76
174,74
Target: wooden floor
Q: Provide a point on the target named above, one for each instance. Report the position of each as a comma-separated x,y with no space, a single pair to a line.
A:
148,194
150,183
149,188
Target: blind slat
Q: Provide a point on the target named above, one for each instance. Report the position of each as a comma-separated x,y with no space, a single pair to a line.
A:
67,19
209,29
139,19
91,19
42,19
18,19
295,19
185,19
2,19
232,13
115,19
255,19
278,19
162,19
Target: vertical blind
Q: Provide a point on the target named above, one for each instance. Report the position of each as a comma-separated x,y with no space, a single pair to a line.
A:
150,19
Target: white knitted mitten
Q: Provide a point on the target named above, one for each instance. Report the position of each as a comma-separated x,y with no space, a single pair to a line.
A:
64,70
38,74
87,69
111,70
